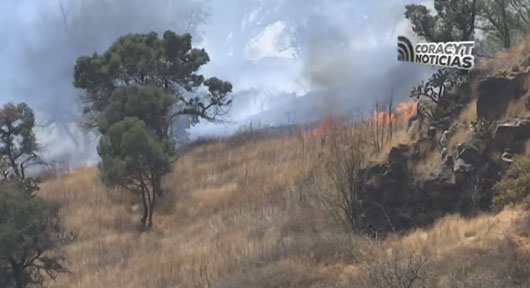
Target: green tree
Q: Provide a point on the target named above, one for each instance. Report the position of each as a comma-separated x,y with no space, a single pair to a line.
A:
522,8
454,20
28,250
135,157
18,145
148,103
134,93
135,148
502,23
169,63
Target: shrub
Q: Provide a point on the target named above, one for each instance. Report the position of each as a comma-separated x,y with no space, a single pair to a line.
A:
400,269
28,250
514,185
345,161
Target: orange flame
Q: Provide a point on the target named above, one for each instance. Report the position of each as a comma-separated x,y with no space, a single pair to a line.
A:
325,125
404,111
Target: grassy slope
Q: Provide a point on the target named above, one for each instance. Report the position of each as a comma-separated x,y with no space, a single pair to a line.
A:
245,212
241,212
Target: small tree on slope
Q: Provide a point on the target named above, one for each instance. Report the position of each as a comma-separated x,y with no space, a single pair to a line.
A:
28,248
135,158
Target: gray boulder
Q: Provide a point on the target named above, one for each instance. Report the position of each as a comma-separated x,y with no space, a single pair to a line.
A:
496,92
510,133
461,167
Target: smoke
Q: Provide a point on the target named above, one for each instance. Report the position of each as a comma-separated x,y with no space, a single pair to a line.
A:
322,56
46,37
291,61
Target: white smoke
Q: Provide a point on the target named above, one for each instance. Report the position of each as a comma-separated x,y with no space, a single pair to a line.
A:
46,37
289,60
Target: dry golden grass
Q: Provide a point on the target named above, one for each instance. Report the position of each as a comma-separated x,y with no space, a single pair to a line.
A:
518,109
508,59
240,212
469,114
462,134
230,208
401,136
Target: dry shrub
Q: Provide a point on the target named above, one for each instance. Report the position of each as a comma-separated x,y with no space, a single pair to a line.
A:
400,269
345,160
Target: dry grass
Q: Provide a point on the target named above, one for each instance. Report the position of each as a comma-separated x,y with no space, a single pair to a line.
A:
401,136
508,59
462,134
518,109
469,114
244,215
231,209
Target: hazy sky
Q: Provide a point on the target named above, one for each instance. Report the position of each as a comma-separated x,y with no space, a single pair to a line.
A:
273,51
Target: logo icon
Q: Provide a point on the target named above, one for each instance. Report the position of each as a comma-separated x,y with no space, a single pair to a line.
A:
405,50
446,54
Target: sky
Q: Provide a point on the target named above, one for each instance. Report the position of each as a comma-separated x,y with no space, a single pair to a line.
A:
289,60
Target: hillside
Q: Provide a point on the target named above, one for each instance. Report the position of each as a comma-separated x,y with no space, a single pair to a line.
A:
251,210
240,212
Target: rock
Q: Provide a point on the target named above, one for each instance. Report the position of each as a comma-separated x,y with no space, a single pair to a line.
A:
443,176
496,92
431,132
399,155
462,167
472,151
470,154
444,140
507,157
444,153
507,134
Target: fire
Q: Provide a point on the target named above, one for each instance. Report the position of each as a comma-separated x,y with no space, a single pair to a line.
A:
88,164
326,124
383,117
404,111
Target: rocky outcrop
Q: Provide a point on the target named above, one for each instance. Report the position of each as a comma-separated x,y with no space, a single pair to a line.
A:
496,92
397,195
512,135
395,198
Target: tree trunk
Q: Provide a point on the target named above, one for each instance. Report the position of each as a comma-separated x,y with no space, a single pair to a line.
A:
151,208
18,273
149,223
146,209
